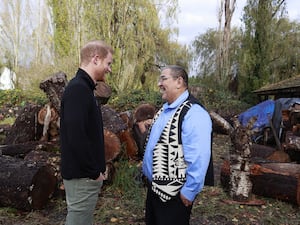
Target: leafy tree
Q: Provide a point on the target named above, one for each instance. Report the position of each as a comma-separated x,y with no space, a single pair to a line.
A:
261,18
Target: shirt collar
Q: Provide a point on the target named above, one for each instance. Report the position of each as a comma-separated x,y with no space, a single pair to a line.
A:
177,102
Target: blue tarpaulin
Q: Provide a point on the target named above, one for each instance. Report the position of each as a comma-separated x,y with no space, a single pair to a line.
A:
263,111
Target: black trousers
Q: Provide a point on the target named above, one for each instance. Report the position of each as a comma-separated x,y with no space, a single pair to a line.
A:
172,212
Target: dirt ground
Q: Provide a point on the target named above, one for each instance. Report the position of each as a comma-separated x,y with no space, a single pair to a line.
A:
212,206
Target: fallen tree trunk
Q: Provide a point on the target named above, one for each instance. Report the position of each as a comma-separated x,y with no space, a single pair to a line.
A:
277,180
220,125
25,185
274,180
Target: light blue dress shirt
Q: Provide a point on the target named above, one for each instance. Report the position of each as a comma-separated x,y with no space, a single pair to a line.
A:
196,142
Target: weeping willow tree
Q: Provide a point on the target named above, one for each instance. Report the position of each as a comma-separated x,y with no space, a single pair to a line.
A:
132,27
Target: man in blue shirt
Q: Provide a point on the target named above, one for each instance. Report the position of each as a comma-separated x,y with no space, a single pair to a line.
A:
178,152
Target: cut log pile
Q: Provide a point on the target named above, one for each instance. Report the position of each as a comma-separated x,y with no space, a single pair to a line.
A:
30,158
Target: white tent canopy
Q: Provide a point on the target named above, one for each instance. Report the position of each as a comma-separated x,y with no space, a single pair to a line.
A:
7,79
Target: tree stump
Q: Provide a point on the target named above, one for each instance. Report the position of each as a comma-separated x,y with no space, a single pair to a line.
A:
240,153
54,87
25,185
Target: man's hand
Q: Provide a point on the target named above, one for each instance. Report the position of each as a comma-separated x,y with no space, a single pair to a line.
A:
185,201
101,177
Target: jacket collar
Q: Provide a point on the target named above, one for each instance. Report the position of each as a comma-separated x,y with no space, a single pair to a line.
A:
85,76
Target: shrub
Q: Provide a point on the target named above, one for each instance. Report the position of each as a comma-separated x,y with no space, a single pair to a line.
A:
131,99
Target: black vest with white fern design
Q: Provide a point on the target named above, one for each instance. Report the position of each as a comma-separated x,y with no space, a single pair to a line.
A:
169,167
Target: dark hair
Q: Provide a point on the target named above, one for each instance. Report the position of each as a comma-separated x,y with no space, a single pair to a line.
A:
178,71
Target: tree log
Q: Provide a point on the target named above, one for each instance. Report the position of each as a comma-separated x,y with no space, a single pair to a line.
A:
49,118
274,180
112,145
50,159
25,128
20,150
25,185
261,151
127,118
225,175
54,87
112,120
220,125
102,92
277,180
129,144
267,153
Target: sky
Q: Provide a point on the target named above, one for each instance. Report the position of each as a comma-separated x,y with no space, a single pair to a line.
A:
196,16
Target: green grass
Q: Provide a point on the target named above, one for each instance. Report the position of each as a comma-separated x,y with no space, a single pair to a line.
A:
8,121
